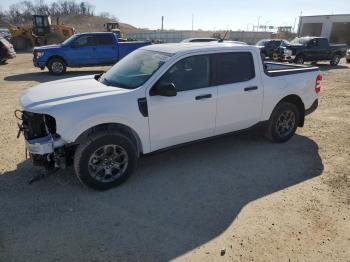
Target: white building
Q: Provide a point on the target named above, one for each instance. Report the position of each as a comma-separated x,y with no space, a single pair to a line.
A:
335,27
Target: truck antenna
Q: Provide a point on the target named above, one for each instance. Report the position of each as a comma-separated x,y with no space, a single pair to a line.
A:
223,38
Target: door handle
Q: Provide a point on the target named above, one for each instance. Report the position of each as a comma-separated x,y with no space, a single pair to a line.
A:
203,96
251,88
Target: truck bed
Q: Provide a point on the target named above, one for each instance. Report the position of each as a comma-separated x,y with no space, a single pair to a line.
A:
279,69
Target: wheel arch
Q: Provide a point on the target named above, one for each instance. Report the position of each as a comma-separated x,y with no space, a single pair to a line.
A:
298,102
110,128
56,56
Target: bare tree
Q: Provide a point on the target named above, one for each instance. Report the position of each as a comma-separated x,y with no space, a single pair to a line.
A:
22,12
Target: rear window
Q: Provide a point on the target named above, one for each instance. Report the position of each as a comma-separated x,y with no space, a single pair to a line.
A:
235,67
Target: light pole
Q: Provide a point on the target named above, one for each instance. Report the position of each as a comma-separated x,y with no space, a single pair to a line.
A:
258,22
266,24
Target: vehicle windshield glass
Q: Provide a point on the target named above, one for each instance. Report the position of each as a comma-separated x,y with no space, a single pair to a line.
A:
261,43
300,41
134,69
69,39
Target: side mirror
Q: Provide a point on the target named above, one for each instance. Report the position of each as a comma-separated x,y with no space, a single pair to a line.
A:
75,45
164,89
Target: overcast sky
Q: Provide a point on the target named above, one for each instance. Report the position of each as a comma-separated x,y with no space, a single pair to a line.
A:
211,14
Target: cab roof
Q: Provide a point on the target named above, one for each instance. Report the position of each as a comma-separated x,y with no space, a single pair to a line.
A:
194,47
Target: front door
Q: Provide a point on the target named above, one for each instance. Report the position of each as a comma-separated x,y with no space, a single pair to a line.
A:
83,51
190,115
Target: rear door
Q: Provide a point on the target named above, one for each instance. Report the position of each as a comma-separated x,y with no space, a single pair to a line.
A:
83,51
324,51
240,91
107,49
190,115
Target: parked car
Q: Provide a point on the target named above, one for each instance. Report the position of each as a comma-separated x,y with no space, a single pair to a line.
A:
314,49
348,56
4,32
86,49
275,49
6,50
160,96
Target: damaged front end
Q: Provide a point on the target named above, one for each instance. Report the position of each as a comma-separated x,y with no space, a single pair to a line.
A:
45,146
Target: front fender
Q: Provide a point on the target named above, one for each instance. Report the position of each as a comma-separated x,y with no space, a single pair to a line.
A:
75,129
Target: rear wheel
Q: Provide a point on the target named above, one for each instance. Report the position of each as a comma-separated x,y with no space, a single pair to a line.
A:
335,60
283,122
105,160
348,61
57,66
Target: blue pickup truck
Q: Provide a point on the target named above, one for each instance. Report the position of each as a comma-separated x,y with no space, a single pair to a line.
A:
86,49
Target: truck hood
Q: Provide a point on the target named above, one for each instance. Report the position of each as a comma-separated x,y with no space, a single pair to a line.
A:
60,92
46,47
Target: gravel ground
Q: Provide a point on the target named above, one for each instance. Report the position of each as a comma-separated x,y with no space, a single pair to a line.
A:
235,198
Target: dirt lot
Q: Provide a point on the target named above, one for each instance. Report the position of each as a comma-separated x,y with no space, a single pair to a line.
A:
240,195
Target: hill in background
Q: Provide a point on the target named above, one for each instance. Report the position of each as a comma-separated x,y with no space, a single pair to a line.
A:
83,23
92,23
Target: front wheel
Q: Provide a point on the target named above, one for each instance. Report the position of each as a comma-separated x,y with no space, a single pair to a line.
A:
283,122
335,60
299,60
57,66
275,57
105,160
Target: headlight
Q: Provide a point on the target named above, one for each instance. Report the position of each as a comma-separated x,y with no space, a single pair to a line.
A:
287,52
39,54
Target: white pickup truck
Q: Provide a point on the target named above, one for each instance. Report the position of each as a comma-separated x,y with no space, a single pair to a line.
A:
157,97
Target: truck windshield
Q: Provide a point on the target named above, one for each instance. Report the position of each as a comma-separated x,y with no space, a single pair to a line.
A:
68,40
134,69
300,41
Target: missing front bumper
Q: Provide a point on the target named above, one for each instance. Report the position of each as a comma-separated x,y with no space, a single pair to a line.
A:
43,145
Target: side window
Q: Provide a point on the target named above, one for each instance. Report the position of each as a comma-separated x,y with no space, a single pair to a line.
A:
85,40
322,43
105,40
313,43
269,44
189,73
234,67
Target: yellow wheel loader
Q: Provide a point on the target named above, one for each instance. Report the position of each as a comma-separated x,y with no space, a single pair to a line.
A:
41,32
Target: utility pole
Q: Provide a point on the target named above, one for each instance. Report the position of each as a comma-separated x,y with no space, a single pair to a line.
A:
162,23
192,22
259,22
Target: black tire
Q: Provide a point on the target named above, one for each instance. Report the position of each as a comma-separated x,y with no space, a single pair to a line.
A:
86,153
263,56
335,60
348,61
275,130
299,60
57,66
275,57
